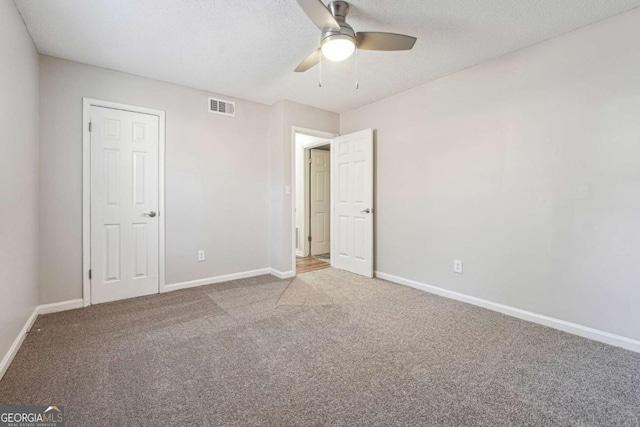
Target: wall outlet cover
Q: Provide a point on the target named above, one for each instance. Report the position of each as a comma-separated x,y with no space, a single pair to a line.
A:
457,266
201,255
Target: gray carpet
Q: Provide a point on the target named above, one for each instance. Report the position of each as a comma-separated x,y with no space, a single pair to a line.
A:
328,348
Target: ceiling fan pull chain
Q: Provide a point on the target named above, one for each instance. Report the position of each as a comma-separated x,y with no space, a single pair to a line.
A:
357,84
320,71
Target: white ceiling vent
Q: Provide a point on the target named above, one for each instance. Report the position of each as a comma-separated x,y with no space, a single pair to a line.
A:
220,106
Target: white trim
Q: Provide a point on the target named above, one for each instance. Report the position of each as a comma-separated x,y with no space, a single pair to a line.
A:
572,328
283,275
310,132
216,279
86,202
13,350
60,306
87,103
38,310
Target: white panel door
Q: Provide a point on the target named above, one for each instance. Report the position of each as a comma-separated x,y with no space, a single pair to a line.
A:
352,183
320,201
124,204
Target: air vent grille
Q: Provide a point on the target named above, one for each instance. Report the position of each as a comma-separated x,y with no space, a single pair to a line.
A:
220,106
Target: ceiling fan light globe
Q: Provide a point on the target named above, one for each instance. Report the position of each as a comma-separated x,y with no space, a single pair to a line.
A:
338,48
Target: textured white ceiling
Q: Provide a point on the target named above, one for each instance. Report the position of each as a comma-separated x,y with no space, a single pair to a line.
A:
249,48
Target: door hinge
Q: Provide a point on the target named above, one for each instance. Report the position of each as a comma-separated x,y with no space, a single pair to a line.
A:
89,126
309,238
89,274
310,161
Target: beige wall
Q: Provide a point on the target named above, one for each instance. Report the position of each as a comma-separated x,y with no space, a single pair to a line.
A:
217,176
527,168
286,115
18,175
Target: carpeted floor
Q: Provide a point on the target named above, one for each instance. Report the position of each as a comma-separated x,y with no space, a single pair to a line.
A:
326,349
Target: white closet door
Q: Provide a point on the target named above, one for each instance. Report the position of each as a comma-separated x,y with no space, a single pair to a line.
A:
124,204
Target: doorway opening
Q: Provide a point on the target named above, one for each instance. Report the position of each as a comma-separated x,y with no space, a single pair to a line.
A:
347,225
312,229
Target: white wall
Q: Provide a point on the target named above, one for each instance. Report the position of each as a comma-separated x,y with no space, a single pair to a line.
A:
284,116
527,168
18,175
217,176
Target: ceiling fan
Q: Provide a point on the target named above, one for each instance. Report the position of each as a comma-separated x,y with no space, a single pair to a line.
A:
338,40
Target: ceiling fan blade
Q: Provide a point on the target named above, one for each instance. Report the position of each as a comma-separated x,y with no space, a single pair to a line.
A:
384,41
319,14
309,61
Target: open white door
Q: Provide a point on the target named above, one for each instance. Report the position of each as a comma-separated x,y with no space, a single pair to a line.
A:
320,201
352,201
124,204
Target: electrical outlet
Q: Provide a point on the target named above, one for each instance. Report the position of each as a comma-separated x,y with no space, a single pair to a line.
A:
457,266
201,256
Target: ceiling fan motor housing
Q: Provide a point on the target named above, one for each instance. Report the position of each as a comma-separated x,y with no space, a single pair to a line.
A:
338,41
339,9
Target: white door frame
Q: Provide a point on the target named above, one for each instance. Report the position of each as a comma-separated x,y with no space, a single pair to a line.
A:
87,103
310,132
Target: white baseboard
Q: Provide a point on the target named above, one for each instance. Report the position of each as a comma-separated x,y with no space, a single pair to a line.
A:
39,309
13,350
217,279
60,306
282,274
572,328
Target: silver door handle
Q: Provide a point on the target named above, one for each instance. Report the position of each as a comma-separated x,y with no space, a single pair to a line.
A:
366,211
151,214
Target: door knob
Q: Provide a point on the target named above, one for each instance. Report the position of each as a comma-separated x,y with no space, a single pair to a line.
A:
366,211
151,214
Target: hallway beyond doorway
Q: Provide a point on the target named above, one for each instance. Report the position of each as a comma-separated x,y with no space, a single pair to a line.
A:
311,263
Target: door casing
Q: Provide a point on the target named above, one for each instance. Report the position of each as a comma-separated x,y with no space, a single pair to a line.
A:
87,103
